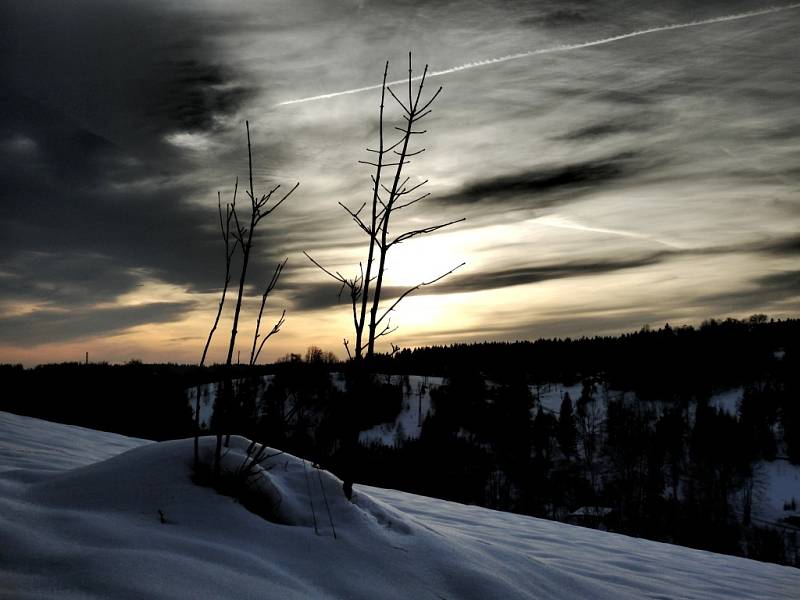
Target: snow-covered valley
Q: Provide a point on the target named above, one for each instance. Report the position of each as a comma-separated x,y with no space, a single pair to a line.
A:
80,519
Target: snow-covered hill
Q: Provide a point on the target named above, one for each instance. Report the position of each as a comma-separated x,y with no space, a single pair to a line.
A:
415,408
79,518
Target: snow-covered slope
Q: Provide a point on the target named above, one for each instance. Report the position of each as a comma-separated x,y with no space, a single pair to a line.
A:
415,409
79,518
777,485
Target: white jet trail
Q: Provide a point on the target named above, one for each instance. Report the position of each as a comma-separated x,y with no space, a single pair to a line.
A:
552,49
564,223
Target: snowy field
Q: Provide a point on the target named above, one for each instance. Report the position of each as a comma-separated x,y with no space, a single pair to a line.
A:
550,395
727,401
80,519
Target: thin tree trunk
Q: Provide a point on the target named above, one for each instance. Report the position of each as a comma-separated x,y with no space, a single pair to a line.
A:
384,234
228,256
371,253
227,401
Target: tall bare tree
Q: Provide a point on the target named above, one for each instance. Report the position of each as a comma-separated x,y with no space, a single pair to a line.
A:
365,289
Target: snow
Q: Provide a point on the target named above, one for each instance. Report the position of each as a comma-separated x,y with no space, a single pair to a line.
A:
80,519
408,424
550,395
777,483
208,395
727,401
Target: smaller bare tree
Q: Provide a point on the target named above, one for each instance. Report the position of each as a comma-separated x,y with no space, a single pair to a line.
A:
230,249
243,233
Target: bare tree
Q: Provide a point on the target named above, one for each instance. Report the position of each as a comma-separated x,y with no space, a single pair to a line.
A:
589,417
243,233
389,165
230,249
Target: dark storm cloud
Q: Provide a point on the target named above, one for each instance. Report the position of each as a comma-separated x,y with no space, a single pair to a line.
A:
37,141
539,273
130,69
103,207
786,246
314,296
630,124
786,281
555,18
94,196
50,326
619,96
536,274
324,295
545,186
65,280
151,233
762,293
194,93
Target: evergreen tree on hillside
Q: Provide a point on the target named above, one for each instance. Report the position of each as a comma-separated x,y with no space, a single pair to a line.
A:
567,429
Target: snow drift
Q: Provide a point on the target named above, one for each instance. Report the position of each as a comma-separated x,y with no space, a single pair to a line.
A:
88,514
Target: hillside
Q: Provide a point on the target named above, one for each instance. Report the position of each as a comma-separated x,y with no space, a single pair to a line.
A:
81,519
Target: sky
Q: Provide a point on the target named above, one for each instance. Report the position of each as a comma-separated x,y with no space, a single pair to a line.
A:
608,181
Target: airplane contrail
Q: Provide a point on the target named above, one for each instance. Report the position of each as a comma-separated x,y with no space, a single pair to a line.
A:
552,49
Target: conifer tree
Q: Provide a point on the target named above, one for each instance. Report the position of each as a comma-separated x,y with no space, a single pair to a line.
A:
567,429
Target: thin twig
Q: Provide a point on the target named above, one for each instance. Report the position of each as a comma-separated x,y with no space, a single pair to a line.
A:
415,288
310,499
327,507
277,327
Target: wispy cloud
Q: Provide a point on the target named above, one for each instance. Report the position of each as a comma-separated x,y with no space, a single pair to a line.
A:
553,49
561,222
53,326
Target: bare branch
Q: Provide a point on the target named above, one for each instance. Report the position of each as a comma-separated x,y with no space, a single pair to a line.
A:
411,153
410,202
419,88
388,330
415,288
275,329
281,201
388,89
409,234
338,277
270,286
379,165
358,219
422,116
429,102
404,191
